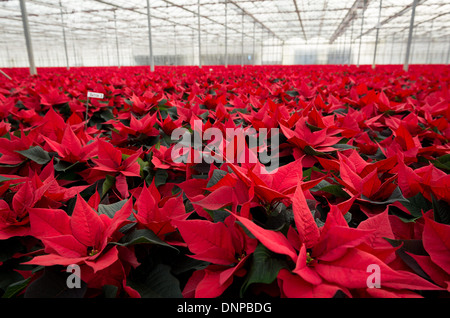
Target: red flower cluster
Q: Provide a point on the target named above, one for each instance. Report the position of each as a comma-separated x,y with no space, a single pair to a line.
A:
358,207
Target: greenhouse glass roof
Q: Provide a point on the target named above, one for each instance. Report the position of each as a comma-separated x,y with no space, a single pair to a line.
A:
107,26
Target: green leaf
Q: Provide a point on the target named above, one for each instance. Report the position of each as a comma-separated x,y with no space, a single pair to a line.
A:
111,209
108,184
144,165
264,268
8,276
333,189
172,111
216,176
11,166
279,218
402,215
348,217
53,284
312,127
441,211
16,288
344,146
107,114
218,215
2,179
204,115
443,162
417,204
36,154
396,196
312,152
160,283
142,236
239,110
161,177
292,93
412,247
166,140
162,104
183,264
64,166
110,291
307,172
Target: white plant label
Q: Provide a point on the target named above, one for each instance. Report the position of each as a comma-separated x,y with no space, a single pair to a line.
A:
94,95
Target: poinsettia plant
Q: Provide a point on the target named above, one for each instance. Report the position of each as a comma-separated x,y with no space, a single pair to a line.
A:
357,206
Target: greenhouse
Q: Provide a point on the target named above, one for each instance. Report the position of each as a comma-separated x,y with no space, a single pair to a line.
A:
224,156
220,32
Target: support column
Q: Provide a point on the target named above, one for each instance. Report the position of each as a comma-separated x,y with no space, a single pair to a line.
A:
448,54
193,46
107,48
26,31
75,58
392,48
430,40
117,39
360,35
401,48
226,33
254,44
351,44
262,47
175,44
199,36
152,61
242,41
376,38
64,35
344,57
130,36
411,29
